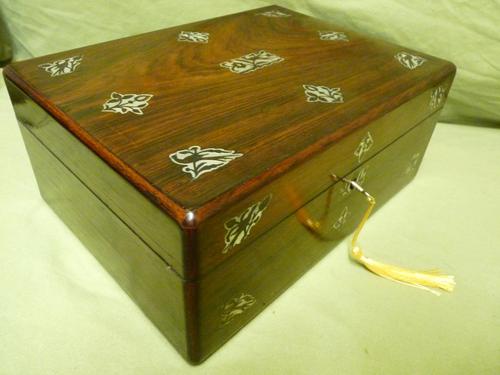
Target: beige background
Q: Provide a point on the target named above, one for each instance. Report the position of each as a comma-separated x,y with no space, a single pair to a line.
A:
61,313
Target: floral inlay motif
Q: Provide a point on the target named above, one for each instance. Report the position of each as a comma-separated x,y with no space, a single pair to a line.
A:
438,95
61,67
238,228
333,35
236,306
323,94
408,60
251,62
413,164
274,13
364,146
193,37
197,161
341,219
124,103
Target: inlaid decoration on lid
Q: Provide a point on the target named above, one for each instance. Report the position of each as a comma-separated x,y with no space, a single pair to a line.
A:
274,13
236,306
408,60
360,179
251,62
413,163
364,146
333,35
238,228
342,219
124,103
197,161
323,94
438,95
193,37
61,67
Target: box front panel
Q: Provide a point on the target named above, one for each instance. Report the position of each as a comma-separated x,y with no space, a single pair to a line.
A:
233,293
229,231
138,270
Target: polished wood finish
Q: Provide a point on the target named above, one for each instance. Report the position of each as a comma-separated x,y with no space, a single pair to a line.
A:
189,312
158,231
275,260
150,282
307,180
262,114
153,216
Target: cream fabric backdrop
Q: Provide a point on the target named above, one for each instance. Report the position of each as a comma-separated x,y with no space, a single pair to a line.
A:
61,313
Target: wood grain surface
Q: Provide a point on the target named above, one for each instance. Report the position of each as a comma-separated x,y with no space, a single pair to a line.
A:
307,180
275,260
142,274
262,114
191,314
161,233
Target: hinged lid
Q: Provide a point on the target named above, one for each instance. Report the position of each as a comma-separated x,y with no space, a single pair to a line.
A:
199,116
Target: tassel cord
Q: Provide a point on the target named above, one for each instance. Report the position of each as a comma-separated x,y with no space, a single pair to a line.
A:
425,280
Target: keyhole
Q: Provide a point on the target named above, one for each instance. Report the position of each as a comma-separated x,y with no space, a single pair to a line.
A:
350,187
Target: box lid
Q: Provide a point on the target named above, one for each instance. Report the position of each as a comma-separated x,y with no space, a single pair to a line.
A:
200,115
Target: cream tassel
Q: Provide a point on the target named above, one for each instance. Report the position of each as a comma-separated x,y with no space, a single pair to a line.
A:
418,279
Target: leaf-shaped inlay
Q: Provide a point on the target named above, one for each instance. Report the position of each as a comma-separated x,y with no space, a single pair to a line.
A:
323,94
275,13
341,219
197,161
61,67
193,36
123,103
413,163
438,95
364,146
238,228
408,60
236,306
333,35
251,62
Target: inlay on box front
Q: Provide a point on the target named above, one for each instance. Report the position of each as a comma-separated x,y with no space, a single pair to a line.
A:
185,159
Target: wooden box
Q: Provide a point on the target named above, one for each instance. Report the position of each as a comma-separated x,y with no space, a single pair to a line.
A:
186,159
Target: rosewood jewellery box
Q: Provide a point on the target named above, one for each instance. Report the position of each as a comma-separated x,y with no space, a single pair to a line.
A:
185,159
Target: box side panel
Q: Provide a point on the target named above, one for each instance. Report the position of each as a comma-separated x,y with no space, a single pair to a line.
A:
146,278
229,231
158,230
237,290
